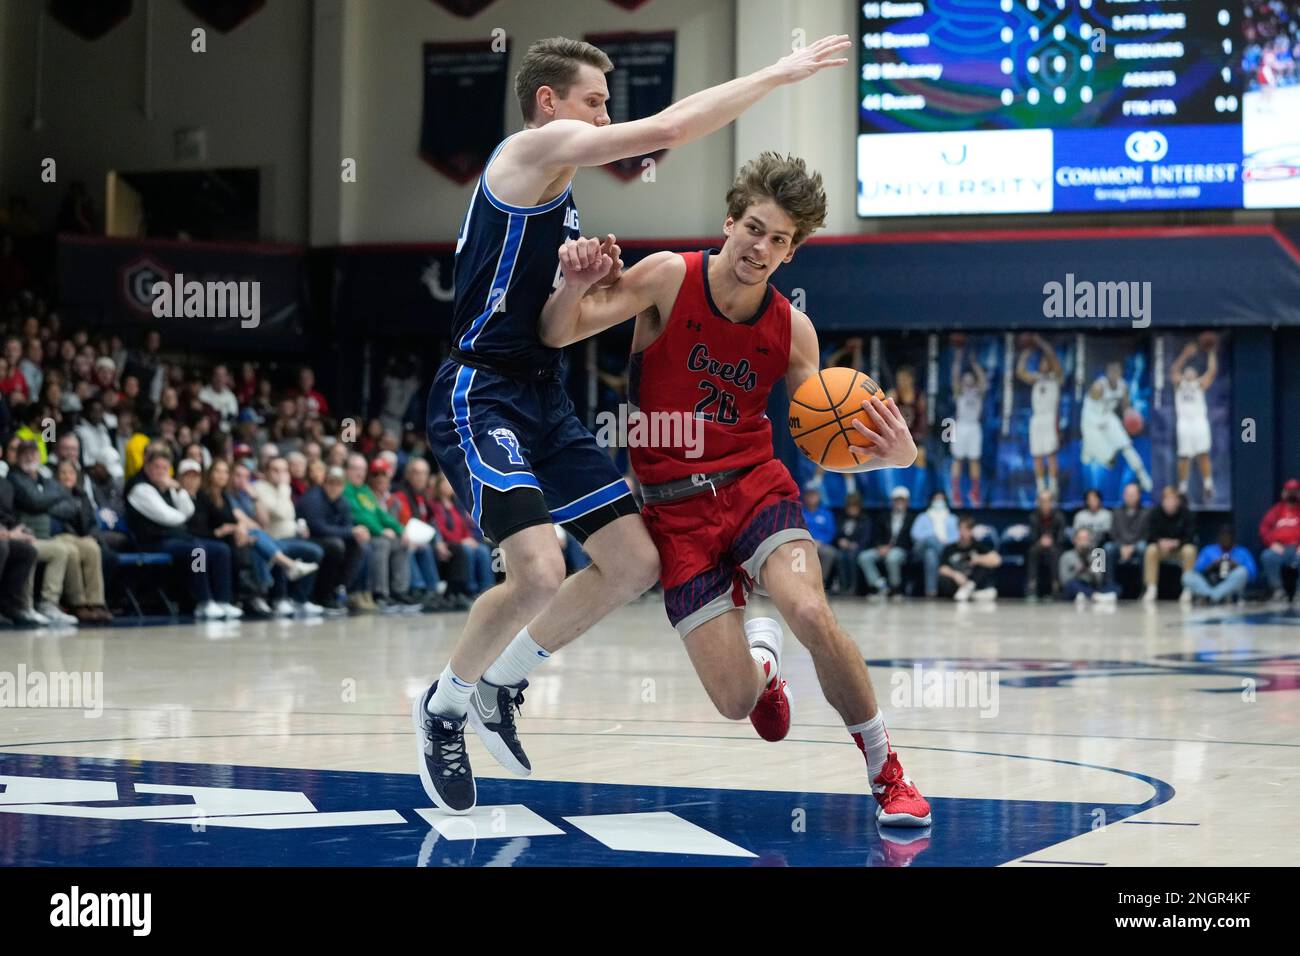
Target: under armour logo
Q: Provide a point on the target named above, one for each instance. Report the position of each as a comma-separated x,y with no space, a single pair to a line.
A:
761,351
694,326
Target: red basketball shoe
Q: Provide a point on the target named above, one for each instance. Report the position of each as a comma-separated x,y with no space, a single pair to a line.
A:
898,802
771,715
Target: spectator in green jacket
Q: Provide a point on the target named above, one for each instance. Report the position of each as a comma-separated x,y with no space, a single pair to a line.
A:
388,550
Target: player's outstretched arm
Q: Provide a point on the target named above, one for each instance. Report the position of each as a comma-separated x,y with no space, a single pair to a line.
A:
894,445
1050,357
1176,370
1022,368
1211,370
578,309
563,143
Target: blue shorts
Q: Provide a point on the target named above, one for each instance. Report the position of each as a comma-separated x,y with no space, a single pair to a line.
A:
517,455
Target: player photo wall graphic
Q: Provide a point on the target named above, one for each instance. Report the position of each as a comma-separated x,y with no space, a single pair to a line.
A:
1192,432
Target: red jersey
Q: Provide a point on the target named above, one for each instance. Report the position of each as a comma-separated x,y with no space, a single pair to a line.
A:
705,367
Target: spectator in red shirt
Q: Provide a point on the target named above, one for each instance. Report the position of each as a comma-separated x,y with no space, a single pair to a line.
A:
315,401
412,497
1280,532
458,531
13,357
12,384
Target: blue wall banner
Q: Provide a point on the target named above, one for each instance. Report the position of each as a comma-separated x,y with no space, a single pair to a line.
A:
640,85
463,118
224,15
464,8
90,19
222,295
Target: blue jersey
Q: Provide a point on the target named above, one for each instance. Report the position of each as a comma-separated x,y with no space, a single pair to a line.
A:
507,265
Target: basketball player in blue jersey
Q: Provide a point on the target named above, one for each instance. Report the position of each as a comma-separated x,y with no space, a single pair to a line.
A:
499,420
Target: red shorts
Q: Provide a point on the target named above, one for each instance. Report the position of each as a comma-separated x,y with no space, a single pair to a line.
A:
712,547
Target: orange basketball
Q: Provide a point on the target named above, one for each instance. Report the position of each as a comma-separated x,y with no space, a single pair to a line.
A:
1133,421
1208,341
822,411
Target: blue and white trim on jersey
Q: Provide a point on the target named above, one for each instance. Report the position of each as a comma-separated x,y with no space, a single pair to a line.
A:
591,501
497,290
518,210
480,472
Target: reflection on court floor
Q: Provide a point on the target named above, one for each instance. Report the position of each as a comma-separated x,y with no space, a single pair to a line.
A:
1096,738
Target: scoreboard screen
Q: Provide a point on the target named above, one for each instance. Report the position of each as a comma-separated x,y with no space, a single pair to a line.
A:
1001,106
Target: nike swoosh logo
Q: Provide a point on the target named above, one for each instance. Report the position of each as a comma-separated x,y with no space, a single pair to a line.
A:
484,712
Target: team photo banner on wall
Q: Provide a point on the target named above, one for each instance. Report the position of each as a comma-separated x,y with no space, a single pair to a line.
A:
640,85
463,118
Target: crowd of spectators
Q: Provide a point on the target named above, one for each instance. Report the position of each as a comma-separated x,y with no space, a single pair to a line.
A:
936,553
266,502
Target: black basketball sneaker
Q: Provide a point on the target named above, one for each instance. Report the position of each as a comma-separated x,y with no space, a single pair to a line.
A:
444,764
491,713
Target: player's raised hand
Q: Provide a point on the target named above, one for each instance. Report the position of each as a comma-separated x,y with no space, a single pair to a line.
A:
609,247
891,438
813,58
582,262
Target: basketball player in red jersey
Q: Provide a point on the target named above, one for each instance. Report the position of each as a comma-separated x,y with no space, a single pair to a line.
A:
712,338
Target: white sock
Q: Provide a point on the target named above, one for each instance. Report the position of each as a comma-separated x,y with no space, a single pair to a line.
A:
873,741
516,661
757,629
452,696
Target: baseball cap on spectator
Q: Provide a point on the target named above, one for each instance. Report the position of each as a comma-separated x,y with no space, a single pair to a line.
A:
1291,484
380,466
187,465
243,451
900,492
105,362
249,415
